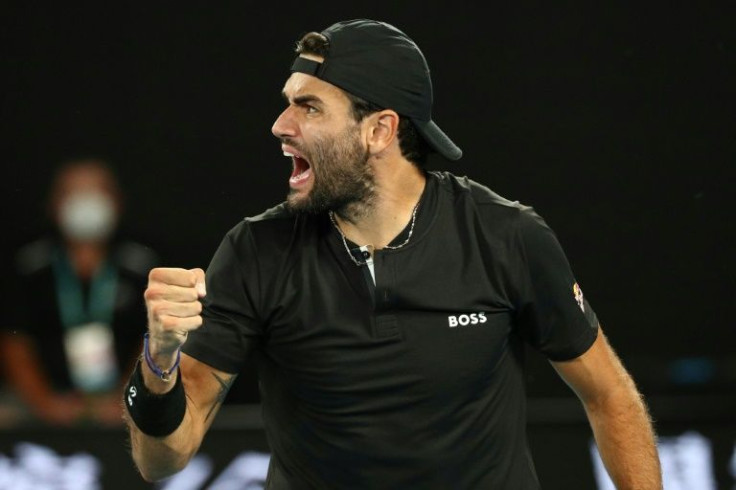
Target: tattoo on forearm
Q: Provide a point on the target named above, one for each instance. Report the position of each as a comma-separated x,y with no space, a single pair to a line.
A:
225,384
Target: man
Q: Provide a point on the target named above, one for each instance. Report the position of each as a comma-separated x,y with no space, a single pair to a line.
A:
76,323
387,306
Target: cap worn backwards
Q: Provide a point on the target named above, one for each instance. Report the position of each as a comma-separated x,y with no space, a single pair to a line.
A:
379,63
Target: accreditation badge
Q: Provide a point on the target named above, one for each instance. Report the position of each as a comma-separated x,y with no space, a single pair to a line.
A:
91,357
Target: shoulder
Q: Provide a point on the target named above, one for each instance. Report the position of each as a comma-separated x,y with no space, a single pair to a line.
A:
275,229
493,207
463,187
266,226
34,257
134,257
276,214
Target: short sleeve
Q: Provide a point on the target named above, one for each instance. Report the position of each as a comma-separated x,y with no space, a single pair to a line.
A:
553,315
230,329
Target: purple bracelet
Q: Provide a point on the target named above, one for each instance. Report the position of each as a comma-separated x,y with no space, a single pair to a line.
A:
165,375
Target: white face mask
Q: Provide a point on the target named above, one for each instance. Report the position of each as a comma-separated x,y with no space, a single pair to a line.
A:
87,216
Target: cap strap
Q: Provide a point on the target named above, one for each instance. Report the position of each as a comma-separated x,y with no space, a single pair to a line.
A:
310,67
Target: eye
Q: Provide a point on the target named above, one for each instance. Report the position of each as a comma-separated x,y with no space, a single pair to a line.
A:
309,109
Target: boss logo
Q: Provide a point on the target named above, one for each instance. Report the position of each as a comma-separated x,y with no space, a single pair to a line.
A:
469,319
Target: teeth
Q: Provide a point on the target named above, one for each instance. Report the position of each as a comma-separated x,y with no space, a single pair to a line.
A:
287,154
301,176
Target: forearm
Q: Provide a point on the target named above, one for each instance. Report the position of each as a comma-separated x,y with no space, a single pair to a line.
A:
168,423
159,456
21,363
28,379
617,415
31,385
626,441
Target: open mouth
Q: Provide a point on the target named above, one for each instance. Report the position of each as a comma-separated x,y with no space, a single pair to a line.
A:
301,170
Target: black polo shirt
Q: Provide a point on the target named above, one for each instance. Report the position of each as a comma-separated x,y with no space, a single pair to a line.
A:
418,384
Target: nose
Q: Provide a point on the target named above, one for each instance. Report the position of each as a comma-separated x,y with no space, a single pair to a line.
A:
284,126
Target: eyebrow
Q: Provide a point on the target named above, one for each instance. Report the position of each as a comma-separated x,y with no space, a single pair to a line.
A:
302,99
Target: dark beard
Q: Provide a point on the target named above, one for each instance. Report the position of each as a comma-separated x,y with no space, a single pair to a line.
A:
341,175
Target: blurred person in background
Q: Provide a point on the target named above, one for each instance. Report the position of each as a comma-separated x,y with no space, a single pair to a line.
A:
76,321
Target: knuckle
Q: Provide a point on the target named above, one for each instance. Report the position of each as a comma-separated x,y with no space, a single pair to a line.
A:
151,292
158,310
192,279
169,322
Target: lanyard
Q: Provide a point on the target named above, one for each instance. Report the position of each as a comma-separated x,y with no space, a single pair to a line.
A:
103,290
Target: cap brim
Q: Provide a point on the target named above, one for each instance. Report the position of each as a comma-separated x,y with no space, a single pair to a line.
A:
438,140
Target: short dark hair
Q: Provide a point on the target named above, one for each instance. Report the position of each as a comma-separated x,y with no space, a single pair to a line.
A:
412,145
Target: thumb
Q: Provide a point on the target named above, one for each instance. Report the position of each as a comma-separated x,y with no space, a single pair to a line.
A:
199,282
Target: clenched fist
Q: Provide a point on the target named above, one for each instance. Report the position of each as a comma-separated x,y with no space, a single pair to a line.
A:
172,300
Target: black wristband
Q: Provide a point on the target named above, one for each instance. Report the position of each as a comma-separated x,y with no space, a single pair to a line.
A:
155,415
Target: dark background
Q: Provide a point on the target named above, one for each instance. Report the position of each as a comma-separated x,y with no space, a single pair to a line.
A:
561,453
615,122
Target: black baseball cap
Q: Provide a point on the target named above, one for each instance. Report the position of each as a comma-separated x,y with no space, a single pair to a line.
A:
379,63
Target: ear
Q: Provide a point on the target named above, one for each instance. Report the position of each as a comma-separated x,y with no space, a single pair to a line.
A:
382,130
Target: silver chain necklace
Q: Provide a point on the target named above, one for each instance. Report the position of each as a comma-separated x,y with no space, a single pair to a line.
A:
390,247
